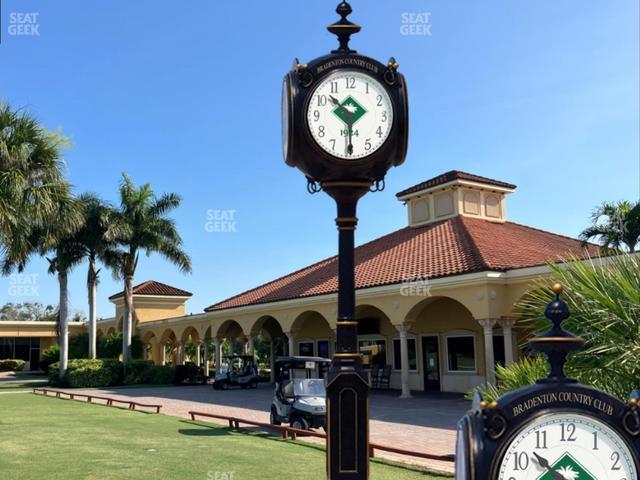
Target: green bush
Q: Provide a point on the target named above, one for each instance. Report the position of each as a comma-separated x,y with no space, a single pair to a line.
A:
107,346
83,373
160,375
186,373
49,356
137,371
11,364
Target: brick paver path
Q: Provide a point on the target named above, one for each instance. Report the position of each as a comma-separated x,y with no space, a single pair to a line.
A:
425,422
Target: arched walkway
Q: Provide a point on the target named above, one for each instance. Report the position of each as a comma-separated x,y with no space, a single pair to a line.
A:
267,342
168,348
311,335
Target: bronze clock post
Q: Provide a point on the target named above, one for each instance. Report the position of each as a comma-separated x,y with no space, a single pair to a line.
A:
345,123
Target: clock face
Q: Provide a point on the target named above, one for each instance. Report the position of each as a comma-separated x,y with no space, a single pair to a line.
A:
350,115
567,446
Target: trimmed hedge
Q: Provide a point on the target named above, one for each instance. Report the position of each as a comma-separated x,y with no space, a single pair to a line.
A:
84,373
11,364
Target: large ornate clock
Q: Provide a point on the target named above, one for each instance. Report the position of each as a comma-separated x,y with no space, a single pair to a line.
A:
344,125
556,429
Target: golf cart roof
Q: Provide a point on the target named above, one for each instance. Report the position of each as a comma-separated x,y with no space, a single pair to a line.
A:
301,359
237,356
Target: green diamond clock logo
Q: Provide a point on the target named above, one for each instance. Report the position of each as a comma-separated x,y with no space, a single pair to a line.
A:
349,108
569,468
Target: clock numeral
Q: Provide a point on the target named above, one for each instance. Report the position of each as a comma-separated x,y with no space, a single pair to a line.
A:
367,88
321,131
615,457
367,144
333,143
595,441
334,87
521,461
379,98
379,132
384,116
351,82
541,439
570,430
316,115
322,100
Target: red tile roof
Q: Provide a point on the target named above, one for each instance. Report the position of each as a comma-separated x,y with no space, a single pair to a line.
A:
449,247
151,287
450,177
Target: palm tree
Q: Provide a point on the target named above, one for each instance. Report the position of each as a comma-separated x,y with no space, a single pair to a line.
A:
95,241
621,226
33,190
144,226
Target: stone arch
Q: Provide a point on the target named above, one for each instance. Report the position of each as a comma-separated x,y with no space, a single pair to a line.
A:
150,345
267,324
232,331
111,331
169,341
311,333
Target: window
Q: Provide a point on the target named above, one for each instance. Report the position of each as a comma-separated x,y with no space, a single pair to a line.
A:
498,350
413,357
305,349
461,353
323,348
374,352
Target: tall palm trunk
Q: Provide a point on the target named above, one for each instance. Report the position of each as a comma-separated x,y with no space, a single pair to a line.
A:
92,287
63,313
127,321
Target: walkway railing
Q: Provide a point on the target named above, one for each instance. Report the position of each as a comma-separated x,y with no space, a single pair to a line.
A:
90,399
293,433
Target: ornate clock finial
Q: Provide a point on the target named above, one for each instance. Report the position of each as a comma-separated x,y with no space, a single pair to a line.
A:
556,342
343,28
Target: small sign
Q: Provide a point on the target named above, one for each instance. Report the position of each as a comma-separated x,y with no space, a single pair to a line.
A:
309,365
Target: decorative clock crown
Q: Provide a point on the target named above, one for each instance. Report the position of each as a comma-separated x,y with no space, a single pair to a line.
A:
556,342
343,28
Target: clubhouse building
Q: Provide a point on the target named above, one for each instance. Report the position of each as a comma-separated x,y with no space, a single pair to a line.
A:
434,300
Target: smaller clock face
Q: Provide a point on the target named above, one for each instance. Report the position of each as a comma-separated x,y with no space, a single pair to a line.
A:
567,446
350,115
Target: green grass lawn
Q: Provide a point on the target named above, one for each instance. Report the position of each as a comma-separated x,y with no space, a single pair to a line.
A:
62,439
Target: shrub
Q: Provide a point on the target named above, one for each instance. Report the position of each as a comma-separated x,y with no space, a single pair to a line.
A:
187,373
137,371
107,346
160,375
11,364
49,356
83,373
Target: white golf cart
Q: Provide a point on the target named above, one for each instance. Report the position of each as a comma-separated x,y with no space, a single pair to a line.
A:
299,397
236,371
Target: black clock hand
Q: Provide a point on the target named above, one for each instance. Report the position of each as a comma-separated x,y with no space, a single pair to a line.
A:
544,463
349,115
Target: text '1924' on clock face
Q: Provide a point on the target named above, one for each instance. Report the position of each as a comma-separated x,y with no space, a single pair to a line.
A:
567,446
350,115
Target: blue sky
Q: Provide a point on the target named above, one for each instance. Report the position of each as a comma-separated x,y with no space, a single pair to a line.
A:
186,96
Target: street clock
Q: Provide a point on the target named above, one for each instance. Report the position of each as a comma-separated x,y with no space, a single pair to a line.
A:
345,115
556,429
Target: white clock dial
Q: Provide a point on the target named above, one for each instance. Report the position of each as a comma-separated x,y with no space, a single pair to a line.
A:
350,114
567,446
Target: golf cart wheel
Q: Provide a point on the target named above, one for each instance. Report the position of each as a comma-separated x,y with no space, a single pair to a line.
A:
299,423
253,384
273,417
224,386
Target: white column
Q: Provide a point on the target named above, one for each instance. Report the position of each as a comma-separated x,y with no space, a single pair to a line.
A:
216,353
490,364
198,358
163,353
507,331
180,353
292,350
206,358
250,346
404,360
272,361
